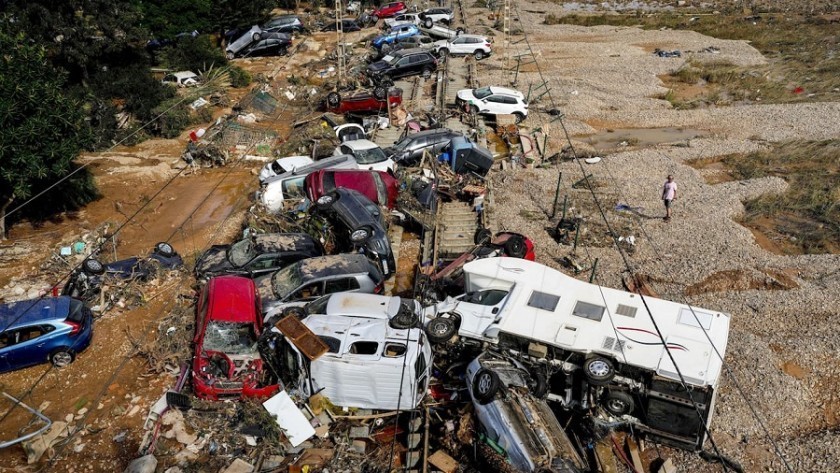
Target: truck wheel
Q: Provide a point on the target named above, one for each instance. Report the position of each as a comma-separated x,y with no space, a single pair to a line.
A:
485,385
619,403
93,266
441,329
61,357
598,370
515,246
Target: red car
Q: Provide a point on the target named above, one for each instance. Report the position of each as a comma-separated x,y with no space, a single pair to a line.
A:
227,363
364,102
389,9
380,187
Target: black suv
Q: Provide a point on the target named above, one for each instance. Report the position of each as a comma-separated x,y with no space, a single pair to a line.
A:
257,255
406,62
357,224
273,46
409,150
347,25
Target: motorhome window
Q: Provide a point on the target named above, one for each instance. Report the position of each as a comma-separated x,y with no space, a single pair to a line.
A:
364,348
626,310
333,344
544,301
489,297
588,311
687,318
394,350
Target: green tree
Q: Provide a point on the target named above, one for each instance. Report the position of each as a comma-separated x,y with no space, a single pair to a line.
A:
42,131
227,14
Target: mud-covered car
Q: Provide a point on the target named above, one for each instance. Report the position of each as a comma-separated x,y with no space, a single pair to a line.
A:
227,363
365,102
312,278
357,224
380,187
86,280
257,255
508,404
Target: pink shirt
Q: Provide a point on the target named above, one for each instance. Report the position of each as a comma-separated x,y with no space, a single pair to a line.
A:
669,191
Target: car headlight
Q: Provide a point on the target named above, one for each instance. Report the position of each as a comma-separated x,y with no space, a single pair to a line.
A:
359,235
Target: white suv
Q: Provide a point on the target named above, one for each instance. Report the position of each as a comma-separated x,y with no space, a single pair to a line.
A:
403,19
476,45
494,101
368,155
431,16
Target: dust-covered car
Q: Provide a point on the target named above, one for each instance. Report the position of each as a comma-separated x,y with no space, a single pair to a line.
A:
507,401
357,224
227,363
312,278
257,255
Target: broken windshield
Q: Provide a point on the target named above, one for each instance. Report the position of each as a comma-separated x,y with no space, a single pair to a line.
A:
285,281
230,338
241,252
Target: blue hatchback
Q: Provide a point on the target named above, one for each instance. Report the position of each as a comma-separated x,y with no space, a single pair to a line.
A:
51,329
396,33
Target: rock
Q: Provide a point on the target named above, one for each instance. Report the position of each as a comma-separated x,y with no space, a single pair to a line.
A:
359,432
178,431
239,466
144,464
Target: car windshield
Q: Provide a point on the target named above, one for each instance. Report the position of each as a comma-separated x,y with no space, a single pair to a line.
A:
285,281
482,92
318,306
402,145
230,338
370,156
241,252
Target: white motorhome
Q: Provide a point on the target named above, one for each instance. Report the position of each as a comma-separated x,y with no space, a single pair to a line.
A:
373,362
604,334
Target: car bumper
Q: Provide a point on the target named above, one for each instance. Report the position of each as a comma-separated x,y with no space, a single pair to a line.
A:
206,391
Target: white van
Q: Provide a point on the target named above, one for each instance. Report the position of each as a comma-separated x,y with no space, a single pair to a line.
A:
181,79
606,334
289,185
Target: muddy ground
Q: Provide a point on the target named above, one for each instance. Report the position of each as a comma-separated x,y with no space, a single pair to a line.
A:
783,346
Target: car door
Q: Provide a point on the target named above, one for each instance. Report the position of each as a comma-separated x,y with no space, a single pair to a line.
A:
307,292
402,67
342,284
494,104
459,46
478,310
29,347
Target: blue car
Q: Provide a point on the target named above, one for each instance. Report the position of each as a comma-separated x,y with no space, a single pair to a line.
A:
396,33
51,329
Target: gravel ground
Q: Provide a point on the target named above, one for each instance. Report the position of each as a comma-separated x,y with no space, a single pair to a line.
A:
783,347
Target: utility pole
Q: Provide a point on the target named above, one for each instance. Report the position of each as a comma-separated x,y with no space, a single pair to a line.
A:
339,48
506,31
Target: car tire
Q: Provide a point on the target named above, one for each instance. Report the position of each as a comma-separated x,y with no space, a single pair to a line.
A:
428,23
441,329
333,99
92,266
482,236
380,92
538,384
298,312
427,73
518,117
404,320
515,246
230,56
460,31
61,357
618,403
443,52
165,249
256,36
374,18
598,370
485,385
479,54
473,109
362,241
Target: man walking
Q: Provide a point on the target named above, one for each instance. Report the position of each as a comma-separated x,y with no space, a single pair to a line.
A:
669,193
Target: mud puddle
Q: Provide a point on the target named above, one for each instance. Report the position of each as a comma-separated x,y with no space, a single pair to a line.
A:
640,137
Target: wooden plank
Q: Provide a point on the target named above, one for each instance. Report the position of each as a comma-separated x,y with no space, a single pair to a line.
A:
443,462
667,467
304,339
635,457
604,456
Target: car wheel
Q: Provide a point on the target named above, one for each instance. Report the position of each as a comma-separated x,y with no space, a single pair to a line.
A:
598,370
361,235
538,384
333,99
404,320
618,403
479,55
61,357
93,266
256,36
441,329
518,117
443,52
459,31
485,385
482,236
473,109
515,246
374,18
165,249
427,73
379,92
230,56
428,23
